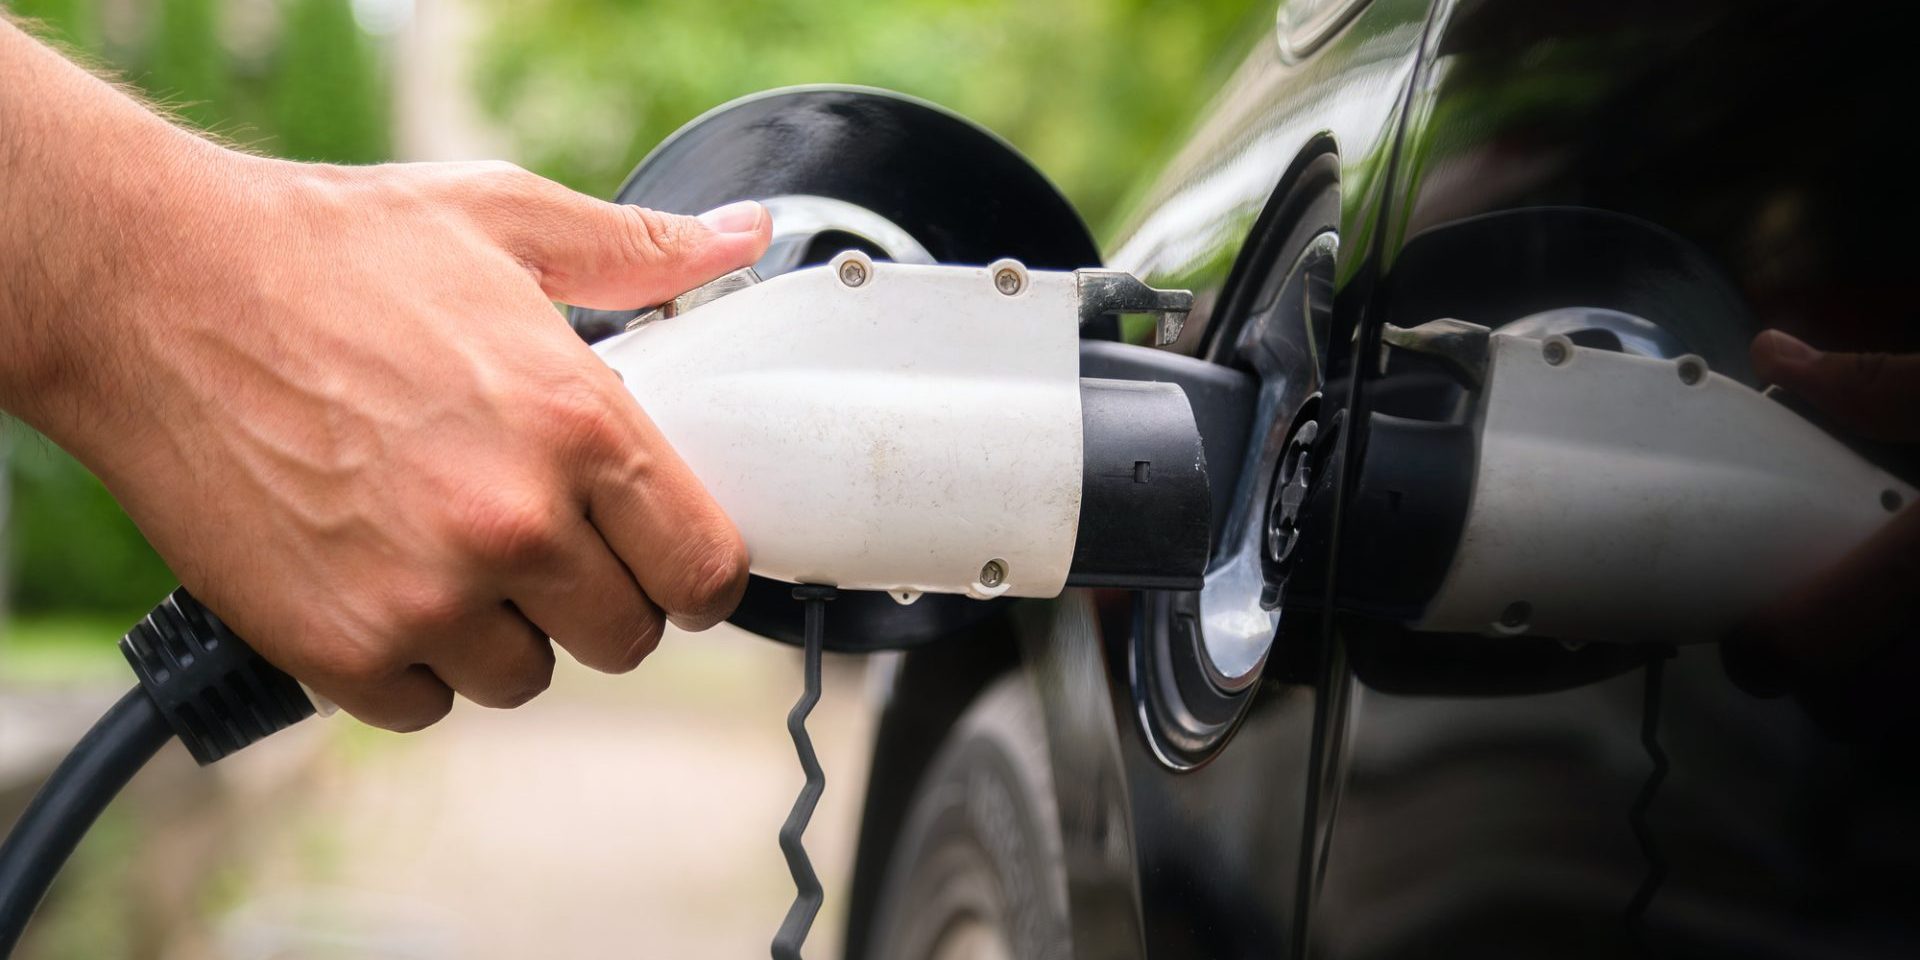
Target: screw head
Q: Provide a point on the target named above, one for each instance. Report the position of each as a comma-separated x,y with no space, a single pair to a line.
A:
853,273
1009,276
1555,352
1692,370
993,573
1891,500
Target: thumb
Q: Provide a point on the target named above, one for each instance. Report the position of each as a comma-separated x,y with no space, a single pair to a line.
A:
1876,395
612,256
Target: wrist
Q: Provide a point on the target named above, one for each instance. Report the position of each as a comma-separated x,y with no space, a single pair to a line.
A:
146,243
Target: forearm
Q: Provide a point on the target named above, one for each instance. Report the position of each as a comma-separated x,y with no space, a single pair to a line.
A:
94,190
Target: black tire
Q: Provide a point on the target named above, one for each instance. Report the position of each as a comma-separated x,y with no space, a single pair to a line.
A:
977,873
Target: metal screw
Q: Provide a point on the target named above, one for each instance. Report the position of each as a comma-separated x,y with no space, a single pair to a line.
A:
1007,281
853,273
1555,352
1516,615
993,574
1692,370
1890,499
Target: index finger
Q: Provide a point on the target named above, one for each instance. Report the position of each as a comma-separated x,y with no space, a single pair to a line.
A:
1876,395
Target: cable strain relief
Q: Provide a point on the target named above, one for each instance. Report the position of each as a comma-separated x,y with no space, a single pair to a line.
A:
216,693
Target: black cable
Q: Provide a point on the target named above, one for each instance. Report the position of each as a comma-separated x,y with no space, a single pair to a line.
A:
198,681
807,898
68,803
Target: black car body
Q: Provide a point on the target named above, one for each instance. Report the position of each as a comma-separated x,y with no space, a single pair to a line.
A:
1715,167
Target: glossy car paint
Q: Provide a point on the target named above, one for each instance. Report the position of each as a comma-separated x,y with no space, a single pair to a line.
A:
1717,167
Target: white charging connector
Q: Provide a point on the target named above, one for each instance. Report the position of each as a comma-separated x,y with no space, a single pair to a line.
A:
1628,498
917,428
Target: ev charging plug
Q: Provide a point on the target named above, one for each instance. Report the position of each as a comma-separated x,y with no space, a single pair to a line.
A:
925,429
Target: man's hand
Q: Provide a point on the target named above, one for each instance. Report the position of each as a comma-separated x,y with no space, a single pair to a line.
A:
1845,640
340,403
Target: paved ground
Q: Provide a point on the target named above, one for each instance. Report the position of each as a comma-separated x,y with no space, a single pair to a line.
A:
615,816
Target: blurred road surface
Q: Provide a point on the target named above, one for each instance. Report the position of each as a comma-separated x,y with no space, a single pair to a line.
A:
614,816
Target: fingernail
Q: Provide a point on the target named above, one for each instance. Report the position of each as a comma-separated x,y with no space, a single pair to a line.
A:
1790,349
742,216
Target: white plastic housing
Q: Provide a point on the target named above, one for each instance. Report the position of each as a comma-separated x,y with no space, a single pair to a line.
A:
1619,501
901,434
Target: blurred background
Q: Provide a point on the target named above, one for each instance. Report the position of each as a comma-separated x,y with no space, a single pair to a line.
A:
632,814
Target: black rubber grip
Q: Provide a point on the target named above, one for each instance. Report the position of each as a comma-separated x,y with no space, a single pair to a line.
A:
216,693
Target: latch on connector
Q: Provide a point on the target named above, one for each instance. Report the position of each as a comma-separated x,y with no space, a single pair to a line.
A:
1105,293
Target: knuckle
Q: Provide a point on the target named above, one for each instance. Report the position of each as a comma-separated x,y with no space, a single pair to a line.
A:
627,632
1868,368
360,663
715,576
506,174
625,640
583,416
486,186
512,531
644,639
650,235
426,610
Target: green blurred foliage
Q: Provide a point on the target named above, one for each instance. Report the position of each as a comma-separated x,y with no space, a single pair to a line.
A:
316,90
73,548
64,650
188,62
74,23
1095,91
329,102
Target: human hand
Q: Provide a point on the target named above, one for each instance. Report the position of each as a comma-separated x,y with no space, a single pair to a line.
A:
1844,642
340,404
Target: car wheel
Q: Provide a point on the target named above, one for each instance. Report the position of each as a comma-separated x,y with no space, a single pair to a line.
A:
977,873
